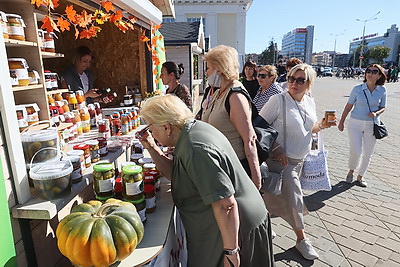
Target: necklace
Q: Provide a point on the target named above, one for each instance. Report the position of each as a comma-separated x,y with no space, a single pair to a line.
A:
301,113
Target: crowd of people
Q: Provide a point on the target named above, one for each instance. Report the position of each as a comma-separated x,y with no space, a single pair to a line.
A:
217,184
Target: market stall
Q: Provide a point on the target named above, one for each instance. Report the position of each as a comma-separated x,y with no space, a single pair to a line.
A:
30,91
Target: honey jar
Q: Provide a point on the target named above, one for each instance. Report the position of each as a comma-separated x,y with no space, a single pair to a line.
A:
48,43
330,117
15,27
3,24
20,67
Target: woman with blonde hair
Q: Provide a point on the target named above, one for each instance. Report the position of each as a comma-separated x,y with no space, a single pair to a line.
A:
223,214
293,114
235,124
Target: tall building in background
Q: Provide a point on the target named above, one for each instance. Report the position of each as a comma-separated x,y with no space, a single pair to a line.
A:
224,21
298,43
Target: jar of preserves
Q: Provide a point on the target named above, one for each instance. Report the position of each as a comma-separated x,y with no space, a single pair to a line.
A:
128,100
150,178
85,119
135,157
76,175
143,161
102,146
94,150
140,205
54,81
330,117
80,154
104,128
132,182
3,24
104,180
20,66
41,39
86,153
15,27
49,45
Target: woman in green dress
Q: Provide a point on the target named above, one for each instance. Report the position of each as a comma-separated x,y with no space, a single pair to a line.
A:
224,216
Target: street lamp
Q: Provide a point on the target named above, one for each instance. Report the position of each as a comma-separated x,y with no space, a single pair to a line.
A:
334,48
363,37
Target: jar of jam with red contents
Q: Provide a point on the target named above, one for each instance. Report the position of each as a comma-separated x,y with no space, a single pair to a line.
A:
86,153
150,178
102,146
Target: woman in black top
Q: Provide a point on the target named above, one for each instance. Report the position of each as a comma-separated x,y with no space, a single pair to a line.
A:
249,78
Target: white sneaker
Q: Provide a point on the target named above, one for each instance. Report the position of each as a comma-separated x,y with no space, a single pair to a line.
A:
306,249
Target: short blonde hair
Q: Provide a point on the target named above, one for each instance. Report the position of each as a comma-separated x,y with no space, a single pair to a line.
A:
271,70
224,59
309,73
166,109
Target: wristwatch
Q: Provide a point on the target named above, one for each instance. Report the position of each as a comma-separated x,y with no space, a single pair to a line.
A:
231,251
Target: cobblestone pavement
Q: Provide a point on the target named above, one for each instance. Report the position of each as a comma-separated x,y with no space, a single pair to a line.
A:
350,225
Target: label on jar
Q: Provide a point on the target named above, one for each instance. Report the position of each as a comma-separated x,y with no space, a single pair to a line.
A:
106,185
49,44
103,151
88,160
150,202
32,117
22,74
142,214
15,30
95,154
134,188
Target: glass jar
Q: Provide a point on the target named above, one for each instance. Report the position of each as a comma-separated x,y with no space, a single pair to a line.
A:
80,154
102,146
49,45
41,39
20,67
140,205
135,157
3,24
104,180
104,128
94,150
86,153
143,161
150,178
76,175
132,181
15,27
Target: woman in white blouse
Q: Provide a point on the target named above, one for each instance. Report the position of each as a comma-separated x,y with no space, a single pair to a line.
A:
291,149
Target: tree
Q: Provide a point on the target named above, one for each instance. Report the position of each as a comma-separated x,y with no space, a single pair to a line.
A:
377,53
268,55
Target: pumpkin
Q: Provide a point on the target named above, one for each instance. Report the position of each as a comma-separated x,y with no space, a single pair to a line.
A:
97,234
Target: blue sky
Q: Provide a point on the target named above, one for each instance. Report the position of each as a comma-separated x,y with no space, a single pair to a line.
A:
267,19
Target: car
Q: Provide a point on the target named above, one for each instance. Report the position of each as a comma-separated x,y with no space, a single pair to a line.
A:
326,73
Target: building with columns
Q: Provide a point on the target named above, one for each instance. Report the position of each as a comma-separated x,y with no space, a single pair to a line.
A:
224,21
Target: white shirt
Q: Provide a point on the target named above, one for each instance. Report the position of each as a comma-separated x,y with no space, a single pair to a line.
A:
300,120
85,82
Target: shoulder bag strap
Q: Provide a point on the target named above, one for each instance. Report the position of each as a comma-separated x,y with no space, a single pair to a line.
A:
238,89
369,107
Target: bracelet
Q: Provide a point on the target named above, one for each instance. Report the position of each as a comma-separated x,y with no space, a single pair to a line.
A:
231,251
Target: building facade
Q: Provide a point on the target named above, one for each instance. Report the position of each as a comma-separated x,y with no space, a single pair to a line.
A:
298,43
224,21
390,39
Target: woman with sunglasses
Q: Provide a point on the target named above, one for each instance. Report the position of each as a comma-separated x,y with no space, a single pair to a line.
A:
236,125
268,86
249,78
361,123
291,147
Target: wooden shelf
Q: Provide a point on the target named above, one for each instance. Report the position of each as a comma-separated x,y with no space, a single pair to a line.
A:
28,87
18,43
51,55
59,91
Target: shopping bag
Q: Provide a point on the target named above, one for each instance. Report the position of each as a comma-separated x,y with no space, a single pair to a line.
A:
314,175
272,181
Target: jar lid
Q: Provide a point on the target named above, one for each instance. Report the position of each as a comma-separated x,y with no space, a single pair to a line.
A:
13,16
140,200
149,166
45,171
78,153
132,169
136,156
103,167
145,160
74,158
127,163
81,147
39,136
92,142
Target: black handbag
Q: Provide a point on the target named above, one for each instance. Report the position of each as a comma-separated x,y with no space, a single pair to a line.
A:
380,130
266,134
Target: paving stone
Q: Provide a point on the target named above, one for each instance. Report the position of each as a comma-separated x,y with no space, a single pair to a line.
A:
351,243
378,231
395,257
365,237
363,258
378,251
389,243
368,219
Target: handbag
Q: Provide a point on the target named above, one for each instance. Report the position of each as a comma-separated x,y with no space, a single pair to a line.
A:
380,130
272,181
314,175
266,134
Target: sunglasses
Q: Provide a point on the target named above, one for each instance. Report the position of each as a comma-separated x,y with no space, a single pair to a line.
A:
262,75
299,80
372,71
139,134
